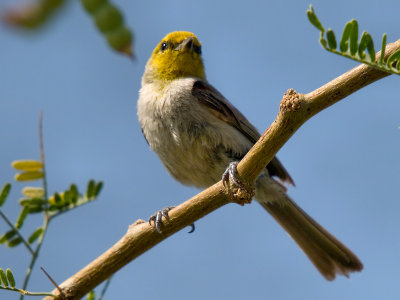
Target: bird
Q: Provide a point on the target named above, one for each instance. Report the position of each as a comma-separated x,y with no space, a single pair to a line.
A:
199,136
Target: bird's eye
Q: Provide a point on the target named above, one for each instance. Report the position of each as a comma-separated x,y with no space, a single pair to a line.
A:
197,49
163,46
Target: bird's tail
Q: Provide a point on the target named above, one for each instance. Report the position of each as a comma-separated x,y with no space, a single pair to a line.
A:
326,252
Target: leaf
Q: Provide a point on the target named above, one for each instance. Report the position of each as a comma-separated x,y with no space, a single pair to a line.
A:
108,17
120,39
7,236
32,201
29,176
344,45
366,43
33,14
14,242
35,208
98,188
330,35
354,37
312,17
383,48
322,41
4,193
74,189
33,192
27,165
67,198
35,235
56,199
391,61
10,278
91,295
92,5
22,216
90,189
110,22
3,277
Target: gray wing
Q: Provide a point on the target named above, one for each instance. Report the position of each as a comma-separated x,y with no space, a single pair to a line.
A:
221,108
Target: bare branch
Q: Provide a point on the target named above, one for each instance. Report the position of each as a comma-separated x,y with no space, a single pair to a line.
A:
295,109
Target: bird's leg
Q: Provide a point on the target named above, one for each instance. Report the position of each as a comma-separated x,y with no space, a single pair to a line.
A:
157,219
243,193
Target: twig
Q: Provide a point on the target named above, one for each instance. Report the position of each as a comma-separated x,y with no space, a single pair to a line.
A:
46,219
16,231
295,109
105,287
27,293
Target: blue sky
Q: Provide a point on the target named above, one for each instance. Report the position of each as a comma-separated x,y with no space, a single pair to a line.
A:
344,161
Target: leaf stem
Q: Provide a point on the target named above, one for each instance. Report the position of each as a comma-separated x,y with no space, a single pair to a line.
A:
24,292
17,232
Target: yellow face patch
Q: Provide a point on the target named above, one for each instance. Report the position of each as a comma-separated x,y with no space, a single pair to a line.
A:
178,55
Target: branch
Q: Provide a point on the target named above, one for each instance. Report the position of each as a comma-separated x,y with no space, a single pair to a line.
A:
295,109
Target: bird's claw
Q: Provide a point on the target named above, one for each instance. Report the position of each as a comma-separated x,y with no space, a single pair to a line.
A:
243,192
157,219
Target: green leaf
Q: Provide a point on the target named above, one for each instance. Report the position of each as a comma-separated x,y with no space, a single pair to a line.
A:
393,60
3,277
34,236
67,198
366,42
57,199
90,189
344,44
92,5
91,295
22,216
354,37
74,189
312,17
109,21
4,193
7,236
330,35
108,17
10,278
32,201
322,41
74,193
120,39
98,188
14,242
383,48
35,209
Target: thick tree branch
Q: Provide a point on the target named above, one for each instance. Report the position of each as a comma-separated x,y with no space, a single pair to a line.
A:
295,109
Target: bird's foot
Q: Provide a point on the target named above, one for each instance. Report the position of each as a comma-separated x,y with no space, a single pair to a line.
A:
240,192
157,219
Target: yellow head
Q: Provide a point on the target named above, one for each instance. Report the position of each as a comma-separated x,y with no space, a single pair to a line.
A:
177,55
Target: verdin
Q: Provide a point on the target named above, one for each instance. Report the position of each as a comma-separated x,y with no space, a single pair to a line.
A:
197,133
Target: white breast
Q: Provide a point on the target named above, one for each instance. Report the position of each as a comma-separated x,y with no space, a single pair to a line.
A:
192,144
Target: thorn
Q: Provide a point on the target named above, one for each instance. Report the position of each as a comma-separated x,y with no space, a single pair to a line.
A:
52,281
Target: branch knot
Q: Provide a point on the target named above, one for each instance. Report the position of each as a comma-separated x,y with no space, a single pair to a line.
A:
291,101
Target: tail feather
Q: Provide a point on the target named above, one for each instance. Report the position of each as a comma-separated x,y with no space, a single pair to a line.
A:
326,252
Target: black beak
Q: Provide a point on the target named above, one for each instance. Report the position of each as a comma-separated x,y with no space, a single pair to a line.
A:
187,43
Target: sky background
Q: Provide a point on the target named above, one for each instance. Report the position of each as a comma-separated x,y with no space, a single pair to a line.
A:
345,161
